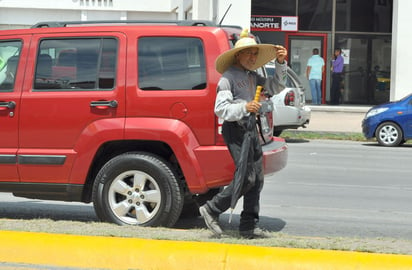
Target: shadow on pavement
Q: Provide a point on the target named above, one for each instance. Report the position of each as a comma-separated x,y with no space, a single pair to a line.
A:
267,223
34,209
292,140
375,144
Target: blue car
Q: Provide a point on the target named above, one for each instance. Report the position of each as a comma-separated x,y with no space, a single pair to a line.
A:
390,123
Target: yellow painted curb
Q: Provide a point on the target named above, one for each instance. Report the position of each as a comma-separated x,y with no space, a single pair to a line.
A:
132,253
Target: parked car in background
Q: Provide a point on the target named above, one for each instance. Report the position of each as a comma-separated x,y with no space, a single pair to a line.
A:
290,110
390,123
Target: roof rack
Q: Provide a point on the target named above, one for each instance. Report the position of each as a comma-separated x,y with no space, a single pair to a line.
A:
232,26
176,22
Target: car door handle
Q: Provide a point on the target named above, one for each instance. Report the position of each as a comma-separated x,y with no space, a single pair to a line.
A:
104,103
8,104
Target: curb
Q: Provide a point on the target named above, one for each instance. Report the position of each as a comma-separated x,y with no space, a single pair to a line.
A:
59,250
340,108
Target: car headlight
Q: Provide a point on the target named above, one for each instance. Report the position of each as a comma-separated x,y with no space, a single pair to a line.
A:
374,112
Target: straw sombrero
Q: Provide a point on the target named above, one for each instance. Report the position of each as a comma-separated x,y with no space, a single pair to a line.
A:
266,53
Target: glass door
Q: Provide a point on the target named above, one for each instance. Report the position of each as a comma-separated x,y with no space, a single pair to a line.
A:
367,68
300,47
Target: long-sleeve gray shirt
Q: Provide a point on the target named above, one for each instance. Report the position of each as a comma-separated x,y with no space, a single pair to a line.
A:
237,87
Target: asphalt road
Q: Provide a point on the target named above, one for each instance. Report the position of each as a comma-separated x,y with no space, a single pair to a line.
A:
342,188
329,188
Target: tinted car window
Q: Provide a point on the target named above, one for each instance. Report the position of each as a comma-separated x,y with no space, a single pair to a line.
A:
171,63
76,64
9,58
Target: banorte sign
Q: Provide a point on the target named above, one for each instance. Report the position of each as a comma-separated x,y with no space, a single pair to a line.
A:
274,23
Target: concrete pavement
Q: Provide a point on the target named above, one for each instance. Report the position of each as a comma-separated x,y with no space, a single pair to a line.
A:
340,118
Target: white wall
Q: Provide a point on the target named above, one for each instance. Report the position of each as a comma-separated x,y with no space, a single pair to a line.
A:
26,16
29,12
203,10
214,10
24,13
133,5
401,49
238,14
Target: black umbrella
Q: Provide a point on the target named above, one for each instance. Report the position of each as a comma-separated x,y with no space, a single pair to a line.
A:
245,160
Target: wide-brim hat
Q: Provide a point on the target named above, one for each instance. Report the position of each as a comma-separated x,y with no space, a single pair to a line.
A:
267,52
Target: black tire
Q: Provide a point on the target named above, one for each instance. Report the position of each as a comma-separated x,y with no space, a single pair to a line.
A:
389,134
154,198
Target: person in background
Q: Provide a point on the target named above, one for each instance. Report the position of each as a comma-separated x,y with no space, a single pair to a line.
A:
337,69
314,72
235,104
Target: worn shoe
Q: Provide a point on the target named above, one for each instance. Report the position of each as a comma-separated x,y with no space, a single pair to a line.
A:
211,221
255,233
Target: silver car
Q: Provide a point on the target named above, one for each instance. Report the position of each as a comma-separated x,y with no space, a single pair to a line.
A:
290,110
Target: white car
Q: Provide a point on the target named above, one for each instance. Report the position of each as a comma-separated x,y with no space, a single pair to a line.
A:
290,110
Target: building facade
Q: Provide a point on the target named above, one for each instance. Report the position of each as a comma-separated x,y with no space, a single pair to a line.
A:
361,28
373,34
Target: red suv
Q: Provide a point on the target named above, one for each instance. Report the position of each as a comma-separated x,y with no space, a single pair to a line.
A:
118,114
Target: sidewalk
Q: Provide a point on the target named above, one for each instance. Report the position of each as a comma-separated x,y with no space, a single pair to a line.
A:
340,118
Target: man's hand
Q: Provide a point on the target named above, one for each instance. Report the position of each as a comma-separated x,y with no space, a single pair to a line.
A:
253,106
281,53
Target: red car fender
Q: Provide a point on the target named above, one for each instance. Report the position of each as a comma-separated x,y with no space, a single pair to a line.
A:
92,137
178,136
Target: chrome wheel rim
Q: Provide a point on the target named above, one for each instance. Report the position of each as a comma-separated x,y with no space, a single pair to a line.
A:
134,197
388,134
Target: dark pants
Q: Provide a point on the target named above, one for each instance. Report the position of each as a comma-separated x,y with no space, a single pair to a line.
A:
335,88
233,134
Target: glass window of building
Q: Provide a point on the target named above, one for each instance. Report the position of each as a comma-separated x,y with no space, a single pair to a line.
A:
364,16
367,67
315,15
274,8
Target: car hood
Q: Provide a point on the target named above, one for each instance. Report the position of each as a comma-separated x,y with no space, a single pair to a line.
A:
385,105
392,103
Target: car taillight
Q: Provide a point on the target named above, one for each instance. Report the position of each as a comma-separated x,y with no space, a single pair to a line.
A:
290,98
218,136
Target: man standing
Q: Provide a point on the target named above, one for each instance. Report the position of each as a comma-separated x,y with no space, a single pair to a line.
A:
337,69
235,104
314,72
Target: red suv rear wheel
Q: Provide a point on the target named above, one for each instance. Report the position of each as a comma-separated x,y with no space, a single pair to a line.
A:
137,189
